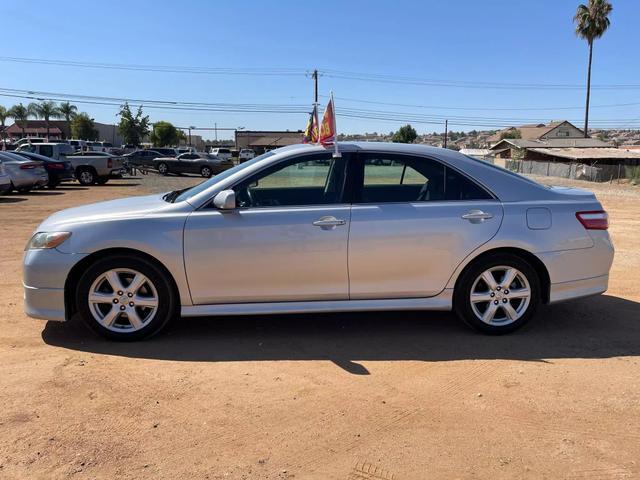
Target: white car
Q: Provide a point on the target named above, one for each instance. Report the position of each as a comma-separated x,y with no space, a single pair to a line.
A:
246,154
222,153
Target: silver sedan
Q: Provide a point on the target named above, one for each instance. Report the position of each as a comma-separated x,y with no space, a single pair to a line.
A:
380,227
25,174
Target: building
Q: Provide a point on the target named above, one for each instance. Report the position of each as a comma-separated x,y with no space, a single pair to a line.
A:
59,130
262,140
34,128
553,130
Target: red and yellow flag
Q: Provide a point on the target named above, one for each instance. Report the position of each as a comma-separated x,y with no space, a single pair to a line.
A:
328,125
311,132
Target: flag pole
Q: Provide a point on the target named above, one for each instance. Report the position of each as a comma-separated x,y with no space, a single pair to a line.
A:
336,152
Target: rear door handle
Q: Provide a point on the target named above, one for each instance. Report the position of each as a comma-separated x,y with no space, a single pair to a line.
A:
476,216
329,222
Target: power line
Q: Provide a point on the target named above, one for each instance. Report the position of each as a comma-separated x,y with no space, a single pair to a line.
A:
380,115
332,73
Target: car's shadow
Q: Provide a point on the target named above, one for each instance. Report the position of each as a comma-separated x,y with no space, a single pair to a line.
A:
599,327
12,199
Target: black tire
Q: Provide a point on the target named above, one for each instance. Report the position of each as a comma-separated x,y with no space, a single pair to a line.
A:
163,168
23,190
102,180
52,185
462,303
168,305
206,172
86,176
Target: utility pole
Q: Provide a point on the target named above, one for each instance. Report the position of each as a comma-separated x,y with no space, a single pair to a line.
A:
446,131
314,75
216,128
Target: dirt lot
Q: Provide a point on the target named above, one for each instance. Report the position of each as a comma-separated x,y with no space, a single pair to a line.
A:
343,396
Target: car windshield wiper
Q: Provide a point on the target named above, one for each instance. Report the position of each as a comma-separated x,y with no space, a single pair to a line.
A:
171,196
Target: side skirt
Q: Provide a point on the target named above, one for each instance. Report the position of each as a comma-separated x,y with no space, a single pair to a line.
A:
443,301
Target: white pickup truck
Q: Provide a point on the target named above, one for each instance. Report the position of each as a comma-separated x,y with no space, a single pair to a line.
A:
90,167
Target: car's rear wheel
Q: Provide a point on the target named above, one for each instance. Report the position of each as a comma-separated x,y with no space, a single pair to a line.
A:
497,294
86,176
125,298
102,180
205,172
163,169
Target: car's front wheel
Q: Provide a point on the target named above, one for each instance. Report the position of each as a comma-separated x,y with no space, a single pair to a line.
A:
497,294
86,176
125,298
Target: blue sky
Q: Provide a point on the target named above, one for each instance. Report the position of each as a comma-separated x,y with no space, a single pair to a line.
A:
471,41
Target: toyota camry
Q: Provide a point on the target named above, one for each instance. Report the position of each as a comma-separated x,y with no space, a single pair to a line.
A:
298,229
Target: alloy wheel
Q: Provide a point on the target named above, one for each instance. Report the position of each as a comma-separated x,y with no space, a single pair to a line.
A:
123,300
500,295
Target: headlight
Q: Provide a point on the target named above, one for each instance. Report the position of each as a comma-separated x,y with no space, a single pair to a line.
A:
47,240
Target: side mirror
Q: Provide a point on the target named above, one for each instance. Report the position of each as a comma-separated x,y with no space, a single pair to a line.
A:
225,200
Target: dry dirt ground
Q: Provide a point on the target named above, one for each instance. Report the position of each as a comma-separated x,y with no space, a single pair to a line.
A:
343,396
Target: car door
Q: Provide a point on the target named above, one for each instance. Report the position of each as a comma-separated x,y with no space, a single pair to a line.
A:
285,241
413,221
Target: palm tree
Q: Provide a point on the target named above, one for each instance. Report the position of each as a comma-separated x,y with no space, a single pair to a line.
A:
21,115
68,111
4,114
592,20
45,110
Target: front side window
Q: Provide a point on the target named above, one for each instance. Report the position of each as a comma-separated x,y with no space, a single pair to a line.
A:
391,178
308,180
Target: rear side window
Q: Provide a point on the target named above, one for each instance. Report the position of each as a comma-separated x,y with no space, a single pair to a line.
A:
46,150
389,178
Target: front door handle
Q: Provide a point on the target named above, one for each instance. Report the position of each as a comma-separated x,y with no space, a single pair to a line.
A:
328,222
477,216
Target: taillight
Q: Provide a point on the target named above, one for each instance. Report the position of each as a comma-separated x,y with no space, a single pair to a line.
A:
28,166
56,166
109,163
594,220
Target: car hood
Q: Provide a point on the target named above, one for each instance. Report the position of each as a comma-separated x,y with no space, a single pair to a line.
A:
105,211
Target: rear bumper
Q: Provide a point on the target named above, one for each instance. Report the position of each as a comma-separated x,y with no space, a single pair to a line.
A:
560,292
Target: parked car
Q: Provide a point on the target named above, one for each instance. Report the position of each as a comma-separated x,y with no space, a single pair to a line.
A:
167,152
5,181
428,229
57,151
78,144
142,158
201,163
246,154
96,167
24,174
58,170
221,153
24,140
99,146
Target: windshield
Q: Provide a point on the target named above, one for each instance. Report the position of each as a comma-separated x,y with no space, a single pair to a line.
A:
221,176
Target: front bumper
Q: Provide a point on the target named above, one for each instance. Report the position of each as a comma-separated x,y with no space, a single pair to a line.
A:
44,275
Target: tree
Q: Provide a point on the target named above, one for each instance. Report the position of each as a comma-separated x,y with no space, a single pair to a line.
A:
68,111
511,133
83,127
592,20
21,115
406,134
45,110
4,114
133,127
165,134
